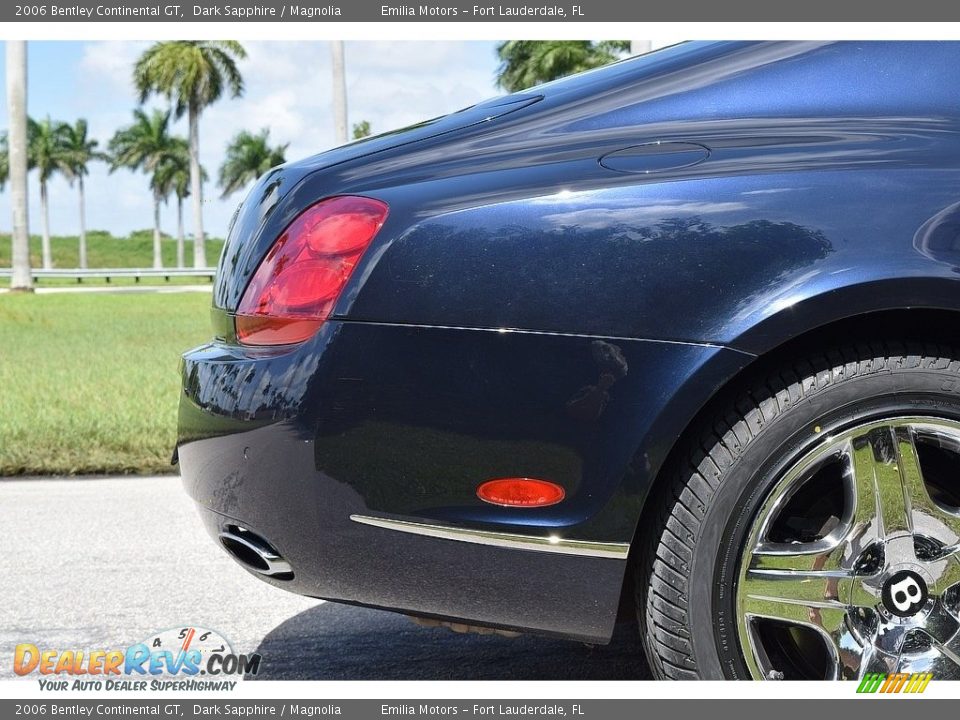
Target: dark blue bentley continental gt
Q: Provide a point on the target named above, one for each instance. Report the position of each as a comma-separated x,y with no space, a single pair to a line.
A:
677,336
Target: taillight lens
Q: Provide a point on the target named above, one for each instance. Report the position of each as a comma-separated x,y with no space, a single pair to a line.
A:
300,279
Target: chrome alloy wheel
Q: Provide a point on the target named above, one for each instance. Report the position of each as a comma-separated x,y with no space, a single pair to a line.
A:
852,565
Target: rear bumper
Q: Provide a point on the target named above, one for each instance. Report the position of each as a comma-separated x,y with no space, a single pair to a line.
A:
357,455
305,515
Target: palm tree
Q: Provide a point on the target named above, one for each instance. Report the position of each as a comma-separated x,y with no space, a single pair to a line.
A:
17,163
361,130
339,92
80,150
4,160
249,156
143,146
525,63
46,147
192,75
173,177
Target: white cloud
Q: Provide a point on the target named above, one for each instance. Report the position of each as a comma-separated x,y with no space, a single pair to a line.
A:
106,69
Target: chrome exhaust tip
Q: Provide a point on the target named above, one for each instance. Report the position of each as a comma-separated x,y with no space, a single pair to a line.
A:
254,553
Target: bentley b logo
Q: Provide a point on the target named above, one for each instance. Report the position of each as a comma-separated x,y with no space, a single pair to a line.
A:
905,593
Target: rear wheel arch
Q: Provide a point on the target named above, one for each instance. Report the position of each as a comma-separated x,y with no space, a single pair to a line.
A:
913,324
854,308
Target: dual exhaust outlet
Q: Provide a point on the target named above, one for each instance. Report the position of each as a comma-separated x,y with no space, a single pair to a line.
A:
254,553
259,556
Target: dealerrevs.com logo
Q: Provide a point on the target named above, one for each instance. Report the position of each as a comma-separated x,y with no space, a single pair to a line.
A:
186,658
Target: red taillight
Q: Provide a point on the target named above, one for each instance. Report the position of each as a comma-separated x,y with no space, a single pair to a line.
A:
520,492
300,279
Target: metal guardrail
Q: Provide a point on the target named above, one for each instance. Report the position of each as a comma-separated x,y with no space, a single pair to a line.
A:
108,273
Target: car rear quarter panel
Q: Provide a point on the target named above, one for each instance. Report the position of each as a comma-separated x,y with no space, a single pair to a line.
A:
745,261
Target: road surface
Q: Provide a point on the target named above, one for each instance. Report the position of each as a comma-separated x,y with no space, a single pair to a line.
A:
105,563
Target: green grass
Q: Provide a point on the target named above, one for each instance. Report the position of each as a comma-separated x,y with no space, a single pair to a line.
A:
105,250
90,382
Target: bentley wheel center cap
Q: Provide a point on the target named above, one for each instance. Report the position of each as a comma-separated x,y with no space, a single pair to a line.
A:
905,593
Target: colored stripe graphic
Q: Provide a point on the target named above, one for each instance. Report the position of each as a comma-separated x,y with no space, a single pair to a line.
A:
913,683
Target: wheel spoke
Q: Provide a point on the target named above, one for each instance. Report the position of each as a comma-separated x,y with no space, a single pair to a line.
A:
946,570
871,661
876,472
889,487
816,557
926,517
946,641
793,596
860,592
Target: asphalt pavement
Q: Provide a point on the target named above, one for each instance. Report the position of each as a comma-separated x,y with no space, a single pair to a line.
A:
105,563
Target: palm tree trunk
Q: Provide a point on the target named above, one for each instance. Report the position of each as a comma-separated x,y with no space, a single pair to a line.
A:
157,256
196,190
179,231
339,92
83,226
17,109
45,217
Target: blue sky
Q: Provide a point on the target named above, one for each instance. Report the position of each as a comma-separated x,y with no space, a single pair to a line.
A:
391,84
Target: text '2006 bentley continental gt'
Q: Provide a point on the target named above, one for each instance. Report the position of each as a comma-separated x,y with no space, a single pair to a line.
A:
675,337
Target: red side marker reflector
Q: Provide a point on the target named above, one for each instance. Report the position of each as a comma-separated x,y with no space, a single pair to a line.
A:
520,492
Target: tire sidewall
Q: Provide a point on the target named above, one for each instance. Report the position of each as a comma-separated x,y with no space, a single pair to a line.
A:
752,475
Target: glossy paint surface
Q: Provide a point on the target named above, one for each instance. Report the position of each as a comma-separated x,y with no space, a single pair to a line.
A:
406,422
564,280
416,418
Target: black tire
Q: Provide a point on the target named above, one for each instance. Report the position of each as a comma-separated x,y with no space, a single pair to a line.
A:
715,485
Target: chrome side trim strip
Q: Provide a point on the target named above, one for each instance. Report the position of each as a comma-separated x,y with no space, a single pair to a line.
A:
550,544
